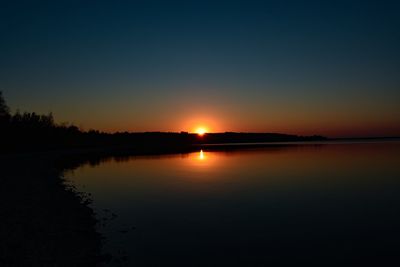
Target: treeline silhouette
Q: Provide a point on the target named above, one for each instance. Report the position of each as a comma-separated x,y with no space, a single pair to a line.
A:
29,131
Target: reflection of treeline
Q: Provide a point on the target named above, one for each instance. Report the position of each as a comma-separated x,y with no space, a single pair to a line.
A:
29,131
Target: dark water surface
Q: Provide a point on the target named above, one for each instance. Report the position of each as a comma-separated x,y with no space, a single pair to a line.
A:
325,204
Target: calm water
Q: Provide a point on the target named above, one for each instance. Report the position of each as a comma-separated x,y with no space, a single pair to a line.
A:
323,204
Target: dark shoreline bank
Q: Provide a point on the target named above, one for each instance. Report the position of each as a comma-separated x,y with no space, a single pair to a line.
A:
44,221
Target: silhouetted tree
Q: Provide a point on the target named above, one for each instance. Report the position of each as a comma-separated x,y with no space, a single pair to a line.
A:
47,120
4,110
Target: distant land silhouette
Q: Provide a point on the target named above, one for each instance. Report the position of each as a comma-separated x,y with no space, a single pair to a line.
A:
33,132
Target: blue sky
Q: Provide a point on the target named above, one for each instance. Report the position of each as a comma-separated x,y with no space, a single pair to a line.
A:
325,67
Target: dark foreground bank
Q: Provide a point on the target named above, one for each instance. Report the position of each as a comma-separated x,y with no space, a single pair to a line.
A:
44,222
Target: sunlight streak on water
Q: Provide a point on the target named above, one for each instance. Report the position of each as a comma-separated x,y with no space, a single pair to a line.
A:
201,155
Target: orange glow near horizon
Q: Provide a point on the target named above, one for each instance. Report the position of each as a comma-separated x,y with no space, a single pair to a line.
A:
308,125
201,131
201,125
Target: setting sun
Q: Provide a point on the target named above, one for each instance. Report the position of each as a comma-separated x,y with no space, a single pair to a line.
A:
201,131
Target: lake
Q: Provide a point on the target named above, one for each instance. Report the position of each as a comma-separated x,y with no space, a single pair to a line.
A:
317,204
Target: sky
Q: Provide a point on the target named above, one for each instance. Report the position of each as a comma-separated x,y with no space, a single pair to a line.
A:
301,67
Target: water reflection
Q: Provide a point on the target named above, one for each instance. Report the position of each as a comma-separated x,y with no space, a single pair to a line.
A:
201,155
200,162
251,207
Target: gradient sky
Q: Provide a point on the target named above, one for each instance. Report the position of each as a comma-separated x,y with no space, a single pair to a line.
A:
302,67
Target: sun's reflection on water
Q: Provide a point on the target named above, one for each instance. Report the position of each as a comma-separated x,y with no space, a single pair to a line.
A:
201,155
202,159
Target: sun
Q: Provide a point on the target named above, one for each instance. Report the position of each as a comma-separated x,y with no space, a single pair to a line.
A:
201,131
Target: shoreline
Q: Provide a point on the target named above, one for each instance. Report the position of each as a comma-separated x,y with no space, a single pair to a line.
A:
44,221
